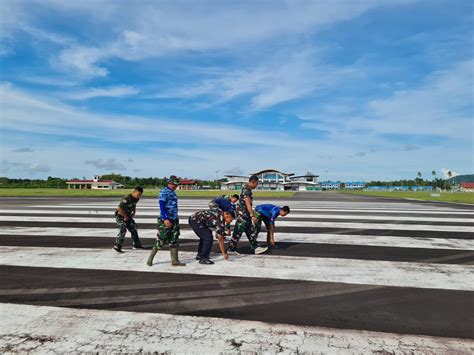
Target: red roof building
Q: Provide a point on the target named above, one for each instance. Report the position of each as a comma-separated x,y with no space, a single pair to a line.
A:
186,184
467,186
95,184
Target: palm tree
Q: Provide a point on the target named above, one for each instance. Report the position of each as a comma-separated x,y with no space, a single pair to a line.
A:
418,178
450,174
433,173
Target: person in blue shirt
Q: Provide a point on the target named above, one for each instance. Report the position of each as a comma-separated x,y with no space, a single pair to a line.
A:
168,223
268,213
224,203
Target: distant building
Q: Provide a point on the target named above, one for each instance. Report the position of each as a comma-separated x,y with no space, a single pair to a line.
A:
234,182
354,185
185,184
271,179
95,184
401,188
330,185
274,180
467,186
303,183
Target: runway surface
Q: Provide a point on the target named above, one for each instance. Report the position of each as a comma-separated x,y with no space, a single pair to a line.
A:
352,274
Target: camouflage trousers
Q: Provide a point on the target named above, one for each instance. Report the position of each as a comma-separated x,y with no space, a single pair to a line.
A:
258,226
243,225
167,235
123,226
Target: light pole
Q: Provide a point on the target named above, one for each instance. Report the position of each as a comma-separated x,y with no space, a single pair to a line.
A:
217,171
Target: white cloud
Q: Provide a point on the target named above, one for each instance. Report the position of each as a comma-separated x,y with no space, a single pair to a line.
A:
23,150
283,78
82,61
107,164
146,29
25,112
23,168
113,91
50,80
441,105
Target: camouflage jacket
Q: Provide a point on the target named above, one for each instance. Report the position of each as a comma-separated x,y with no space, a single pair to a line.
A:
246,192
211,219
128,204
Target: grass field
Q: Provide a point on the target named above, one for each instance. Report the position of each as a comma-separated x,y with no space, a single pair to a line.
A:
463,197
147,193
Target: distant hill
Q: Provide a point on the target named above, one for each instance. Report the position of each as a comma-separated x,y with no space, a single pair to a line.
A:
461,178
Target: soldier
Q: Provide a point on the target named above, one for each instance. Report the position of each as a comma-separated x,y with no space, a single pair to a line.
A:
202,223
124,218
224,203
268,213
246,219
168,223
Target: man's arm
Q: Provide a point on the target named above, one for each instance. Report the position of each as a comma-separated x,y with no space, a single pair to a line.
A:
271,235
220,238
122,212
248,205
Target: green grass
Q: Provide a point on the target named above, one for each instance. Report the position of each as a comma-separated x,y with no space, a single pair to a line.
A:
147,193
463,197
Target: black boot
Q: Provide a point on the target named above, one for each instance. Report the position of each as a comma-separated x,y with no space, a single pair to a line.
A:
206,261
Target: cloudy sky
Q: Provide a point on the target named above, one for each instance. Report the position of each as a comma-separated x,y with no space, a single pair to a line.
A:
345,89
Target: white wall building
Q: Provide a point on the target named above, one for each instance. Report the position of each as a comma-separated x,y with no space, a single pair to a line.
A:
94,184
303,183
273,180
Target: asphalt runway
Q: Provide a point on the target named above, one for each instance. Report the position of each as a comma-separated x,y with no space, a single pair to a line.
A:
344,262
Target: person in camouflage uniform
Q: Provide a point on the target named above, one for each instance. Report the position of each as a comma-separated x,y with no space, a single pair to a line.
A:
268,213
203,223
168,223
124,218
246,219
224,203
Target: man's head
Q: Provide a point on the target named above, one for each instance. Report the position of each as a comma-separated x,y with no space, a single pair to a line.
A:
253,181
229,217
173,182
137,192
234,198
284,211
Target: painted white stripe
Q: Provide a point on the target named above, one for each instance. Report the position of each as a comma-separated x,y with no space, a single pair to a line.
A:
24,328
291,216
326,238
384,226
381,273
295,209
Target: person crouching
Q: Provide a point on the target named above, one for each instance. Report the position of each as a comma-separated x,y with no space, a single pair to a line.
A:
203,223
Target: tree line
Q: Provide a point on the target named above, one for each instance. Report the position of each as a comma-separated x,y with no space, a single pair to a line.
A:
127,181
156,182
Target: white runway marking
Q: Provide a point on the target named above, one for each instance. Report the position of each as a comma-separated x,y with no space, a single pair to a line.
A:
323,238
112,208
353,225
381,273
26,213
42,329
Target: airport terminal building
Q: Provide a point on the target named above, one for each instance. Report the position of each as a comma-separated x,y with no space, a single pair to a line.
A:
273,180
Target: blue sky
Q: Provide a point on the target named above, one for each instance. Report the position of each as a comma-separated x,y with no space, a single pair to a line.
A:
348,90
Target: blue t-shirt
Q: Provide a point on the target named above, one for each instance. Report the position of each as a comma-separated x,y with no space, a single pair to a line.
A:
270,211
168,204
224,204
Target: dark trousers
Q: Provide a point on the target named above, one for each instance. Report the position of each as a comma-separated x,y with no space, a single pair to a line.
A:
205,239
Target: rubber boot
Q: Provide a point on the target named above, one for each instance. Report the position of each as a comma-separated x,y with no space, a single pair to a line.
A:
154,250
174,256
